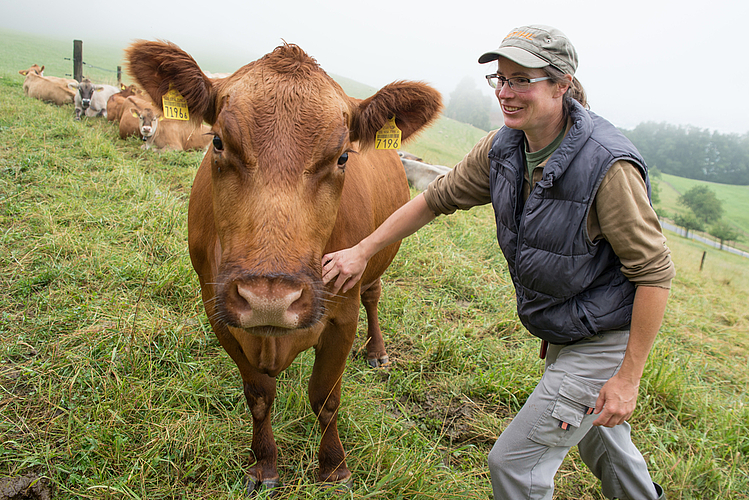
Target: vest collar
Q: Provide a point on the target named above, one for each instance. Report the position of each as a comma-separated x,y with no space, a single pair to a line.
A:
580,126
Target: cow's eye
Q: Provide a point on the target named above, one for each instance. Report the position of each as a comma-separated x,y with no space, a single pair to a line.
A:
218,144
343,159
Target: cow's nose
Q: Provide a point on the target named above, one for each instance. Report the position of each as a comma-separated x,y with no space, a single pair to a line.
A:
270,302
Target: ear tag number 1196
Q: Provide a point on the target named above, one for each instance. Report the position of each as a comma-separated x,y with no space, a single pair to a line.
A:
389,136
175,106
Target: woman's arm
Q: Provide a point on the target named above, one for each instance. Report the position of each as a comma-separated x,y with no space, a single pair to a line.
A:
349,264
618,396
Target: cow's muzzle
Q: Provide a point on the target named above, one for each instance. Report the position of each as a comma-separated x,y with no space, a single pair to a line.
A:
269,302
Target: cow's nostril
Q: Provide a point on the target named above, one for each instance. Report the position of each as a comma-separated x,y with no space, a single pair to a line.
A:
261,302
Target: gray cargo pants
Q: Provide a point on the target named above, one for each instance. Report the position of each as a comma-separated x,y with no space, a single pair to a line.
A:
556,417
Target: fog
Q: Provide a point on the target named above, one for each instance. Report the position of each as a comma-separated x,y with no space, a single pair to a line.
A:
680,62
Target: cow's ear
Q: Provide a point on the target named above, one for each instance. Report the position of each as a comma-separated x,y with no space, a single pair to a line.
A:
134,112
73,85
161,66
414,105
23,72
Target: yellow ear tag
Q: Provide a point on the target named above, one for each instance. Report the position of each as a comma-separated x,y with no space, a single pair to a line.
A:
175,106
389,136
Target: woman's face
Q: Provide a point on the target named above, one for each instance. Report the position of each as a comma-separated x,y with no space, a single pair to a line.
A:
537,111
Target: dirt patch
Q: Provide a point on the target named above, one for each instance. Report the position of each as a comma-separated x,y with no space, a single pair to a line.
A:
30,487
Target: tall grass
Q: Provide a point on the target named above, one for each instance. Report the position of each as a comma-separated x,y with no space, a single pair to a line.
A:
113,386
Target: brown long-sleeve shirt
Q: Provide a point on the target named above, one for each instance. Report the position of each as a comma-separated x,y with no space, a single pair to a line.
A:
621,212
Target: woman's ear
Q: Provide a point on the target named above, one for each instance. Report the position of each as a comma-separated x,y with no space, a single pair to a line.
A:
564,86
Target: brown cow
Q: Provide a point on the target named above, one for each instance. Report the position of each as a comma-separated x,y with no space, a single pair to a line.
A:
129,123
48,88
163,134
114,104
291,175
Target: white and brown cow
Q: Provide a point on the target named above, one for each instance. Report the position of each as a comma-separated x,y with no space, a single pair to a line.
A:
291,175
162,134
91,99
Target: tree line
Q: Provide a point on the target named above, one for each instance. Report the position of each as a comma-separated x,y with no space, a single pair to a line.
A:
692,152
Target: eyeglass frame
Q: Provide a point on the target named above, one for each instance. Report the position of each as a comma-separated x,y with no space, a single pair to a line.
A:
509,81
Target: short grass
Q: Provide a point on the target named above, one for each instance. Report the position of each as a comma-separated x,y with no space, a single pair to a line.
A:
113,386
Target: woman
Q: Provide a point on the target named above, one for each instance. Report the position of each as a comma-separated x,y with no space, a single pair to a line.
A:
586,254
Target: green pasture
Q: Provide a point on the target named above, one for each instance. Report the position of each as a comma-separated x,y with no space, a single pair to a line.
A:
734,199
112,385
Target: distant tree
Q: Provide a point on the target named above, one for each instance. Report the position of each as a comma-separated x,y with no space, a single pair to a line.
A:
694,153
703,202
724,232
689,222
469,105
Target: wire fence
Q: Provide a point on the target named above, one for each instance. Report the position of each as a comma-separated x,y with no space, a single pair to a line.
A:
101,75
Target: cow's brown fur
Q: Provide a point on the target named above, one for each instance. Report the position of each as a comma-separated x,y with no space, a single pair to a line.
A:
115,102
129,124
269,199
48,88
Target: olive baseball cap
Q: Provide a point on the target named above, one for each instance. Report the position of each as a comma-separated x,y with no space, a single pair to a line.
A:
536,46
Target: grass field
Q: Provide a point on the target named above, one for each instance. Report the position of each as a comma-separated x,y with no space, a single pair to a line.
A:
112,385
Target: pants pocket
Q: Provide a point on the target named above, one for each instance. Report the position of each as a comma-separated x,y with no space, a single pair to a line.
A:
560,423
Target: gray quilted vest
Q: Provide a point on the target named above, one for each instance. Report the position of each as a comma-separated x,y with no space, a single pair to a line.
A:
567,288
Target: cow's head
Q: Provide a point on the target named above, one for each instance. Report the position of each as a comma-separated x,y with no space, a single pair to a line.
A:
284,132
86,91
35,70
148,121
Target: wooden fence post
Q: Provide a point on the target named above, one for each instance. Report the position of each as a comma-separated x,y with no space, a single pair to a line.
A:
702,262
78,60
119,75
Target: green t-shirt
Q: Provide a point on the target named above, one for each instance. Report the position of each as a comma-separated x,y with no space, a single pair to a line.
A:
532,160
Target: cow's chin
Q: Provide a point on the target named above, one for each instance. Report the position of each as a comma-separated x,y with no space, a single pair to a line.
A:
270,331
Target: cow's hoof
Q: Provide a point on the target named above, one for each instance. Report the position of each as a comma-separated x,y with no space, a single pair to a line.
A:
270,487
382,362
339,488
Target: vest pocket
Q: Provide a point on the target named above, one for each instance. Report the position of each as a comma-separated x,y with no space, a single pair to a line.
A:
560,424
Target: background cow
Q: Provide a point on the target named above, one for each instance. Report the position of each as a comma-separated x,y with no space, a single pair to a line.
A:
48,88
163,134
420,174
290,176
115,101
91,99
129,122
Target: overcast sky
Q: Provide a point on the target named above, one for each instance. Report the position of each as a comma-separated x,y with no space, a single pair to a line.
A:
680,62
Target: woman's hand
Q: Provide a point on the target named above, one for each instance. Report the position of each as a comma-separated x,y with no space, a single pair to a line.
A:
346,265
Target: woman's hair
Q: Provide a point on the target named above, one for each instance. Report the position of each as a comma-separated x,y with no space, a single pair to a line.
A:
576,90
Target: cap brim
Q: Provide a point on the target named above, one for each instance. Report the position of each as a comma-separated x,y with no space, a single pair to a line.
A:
517,55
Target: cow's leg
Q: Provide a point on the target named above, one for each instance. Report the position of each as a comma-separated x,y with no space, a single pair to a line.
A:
376,354
260,391
325,396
